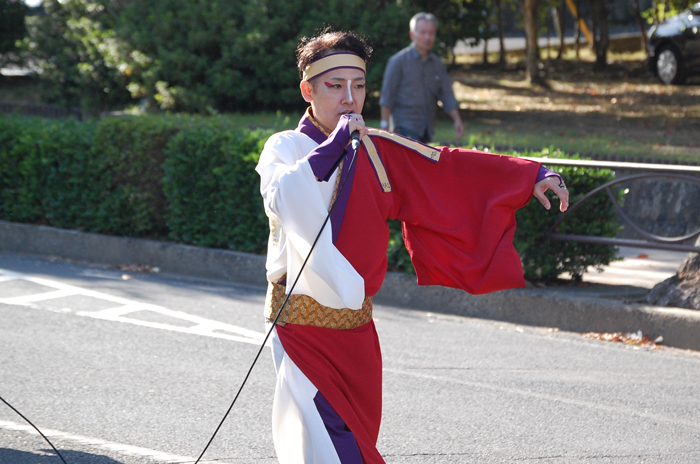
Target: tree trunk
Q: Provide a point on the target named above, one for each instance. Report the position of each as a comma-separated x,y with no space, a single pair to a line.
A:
560,29
683,289
578,30
601,37
602,48
486,51
530,8
502,48
640,22
549,45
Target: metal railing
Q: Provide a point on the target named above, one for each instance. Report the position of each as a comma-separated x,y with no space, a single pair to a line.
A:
685,173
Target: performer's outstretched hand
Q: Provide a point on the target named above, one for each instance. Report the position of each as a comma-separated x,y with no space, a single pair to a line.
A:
557,186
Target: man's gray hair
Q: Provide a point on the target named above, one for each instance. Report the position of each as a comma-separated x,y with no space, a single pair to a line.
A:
422,16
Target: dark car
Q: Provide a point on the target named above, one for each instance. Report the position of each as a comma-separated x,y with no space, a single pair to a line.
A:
674,47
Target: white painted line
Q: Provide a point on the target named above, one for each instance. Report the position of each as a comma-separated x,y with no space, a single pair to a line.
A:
123,307
27,299
208,331
119,448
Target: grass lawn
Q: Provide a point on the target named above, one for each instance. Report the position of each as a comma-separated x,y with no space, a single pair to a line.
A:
622,111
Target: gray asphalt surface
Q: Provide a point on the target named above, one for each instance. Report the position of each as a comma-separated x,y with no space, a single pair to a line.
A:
150,382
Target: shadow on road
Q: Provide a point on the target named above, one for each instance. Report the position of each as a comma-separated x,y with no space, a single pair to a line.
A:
48,456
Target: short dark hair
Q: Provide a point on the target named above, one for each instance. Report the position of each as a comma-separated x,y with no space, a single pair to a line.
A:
311,49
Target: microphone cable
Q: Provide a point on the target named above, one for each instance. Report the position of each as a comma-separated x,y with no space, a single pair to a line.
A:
35,428
355,146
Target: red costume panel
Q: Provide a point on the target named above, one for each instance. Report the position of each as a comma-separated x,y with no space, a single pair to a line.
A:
346,367
458,219
458,216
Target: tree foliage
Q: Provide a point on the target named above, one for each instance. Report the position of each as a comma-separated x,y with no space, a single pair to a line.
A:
200,56
662,9
460,19
12,28
83,62
209,56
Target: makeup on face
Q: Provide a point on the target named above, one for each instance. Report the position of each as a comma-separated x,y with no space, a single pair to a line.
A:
349,89
339,91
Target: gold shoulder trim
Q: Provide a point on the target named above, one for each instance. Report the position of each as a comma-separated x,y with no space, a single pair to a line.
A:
425,150
377,163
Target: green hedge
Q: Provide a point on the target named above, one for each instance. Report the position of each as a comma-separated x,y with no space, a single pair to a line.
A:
191,180
213,190
183,178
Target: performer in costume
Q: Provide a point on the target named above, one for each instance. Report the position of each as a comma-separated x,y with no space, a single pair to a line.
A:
458,213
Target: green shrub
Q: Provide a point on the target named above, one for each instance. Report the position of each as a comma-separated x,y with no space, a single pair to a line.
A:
108,176
133,148
213,190
51,174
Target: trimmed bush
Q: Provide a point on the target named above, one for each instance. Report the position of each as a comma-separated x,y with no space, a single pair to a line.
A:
133,148
213,190
50,174
192,180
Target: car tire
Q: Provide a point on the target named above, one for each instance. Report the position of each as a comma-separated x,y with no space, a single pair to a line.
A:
669,66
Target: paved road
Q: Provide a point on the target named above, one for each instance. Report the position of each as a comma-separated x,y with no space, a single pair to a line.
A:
141,371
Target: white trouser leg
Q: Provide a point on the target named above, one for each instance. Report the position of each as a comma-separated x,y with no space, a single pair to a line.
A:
298,431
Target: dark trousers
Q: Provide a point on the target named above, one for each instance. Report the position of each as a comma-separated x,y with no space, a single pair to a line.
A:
411,134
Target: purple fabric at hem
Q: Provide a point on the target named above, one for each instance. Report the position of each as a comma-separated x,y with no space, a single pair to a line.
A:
343,440
544,173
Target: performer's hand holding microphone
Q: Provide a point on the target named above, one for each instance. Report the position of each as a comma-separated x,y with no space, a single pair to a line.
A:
357,130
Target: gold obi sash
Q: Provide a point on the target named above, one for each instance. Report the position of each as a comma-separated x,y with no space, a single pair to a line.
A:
304,310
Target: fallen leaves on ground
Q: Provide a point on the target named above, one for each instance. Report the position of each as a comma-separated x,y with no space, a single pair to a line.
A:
143,268
637,339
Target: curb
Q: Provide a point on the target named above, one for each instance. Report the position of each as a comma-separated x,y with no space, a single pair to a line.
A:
542,307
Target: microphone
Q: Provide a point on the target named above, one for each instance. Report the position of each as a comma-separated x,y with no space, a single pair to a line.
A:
355,137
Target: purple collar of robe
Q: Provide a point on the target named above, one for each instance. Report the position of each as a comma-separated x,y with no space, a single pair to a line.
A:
308,128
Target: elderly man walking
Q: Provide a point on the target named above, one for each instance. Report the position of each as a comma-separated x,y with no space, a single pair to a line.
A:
414,80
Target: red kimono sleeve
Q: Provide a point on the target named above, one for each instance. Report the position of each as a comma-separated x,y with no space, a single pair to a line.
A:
458,216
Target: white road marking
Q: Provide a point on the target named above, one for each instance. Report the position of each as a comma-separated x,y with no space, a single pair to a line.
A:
23,300
119,448
124,307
